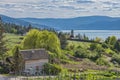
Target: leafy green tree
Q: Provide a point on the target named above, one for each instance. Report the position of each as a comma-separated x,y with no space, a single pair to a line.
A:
42,39
29,41
111,40
49,41
97,39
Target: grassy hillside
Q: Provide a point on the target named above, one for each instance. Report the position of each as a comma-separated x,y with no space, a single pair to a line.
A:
77,43
77,57
12,40
82,48
90,58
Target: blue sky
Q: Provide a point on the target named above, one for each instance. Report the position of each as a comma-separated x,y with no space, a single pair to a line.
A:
59,8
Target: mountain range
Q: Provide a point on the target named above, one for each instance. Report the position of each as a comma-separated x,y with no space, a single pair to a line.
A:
78,23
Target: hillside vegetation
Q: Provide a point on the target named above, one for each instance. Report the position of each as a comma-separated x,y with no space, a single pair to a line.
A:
12,40
65,55
81,54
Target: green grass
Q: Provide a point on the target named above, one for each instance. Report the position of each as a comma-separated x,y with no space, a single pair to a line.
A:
77,43
12,40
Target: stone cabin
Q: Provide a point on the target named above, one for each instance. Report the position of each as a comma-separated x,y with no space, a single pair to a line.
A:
34,59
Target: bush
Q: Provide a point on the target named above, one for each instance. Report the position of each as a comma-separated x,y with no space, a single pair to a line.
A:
52,69
81,53
116,58
70,47
84,53
102,61
4,69
90,77
21,38
108,74
96,47
104,45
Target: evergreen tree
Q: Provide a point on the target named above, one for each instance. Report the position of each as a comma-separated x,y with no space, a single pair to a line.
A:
63,40
2,42
29,27
80,36
72,34
117,46
17,60
85,37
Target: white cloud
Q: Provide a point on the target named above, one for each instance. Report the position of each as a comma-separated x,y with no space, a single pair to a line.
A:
59,8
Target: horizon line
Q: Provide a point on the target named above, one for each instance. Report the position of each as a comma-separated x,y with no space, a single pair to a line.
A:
63,17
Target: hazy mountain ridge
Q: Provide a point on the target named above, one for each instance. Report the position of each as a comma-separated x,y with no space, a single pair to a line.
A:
7,19
87,23
78,23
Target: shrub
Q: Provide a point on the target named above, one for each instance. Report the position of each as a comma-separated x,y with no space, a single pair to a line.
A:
116,58
96,47
109,51
21,38
4,68
52,69
104,45
84,53
102,61
90,77
108,74
80,53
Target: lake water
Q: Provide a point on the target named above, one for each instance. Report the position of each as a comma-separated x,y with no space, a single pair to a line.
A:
96,33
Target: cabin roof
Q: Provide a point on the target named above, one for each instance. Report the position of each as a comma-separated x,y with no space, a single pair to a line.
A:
34,54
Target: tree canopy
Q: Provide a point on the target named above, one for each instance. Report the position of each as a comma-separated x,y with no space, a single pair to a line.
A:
111,40
41,39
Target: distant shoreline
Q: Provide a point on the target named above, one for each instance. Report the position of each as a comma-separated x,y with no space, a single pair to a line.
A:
92,34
